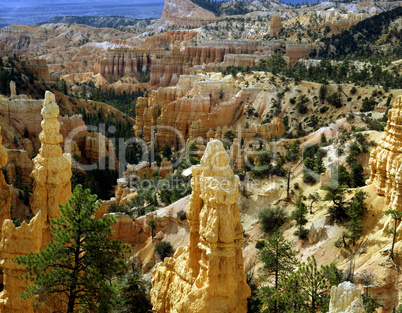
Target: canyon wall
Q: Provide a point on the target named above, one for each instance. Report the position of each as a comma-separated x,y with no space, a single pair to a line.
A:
169,39
121,62
165,67
197,106
186,13
24,116
386,159
386,165
39,68
5,191
207,275
297,51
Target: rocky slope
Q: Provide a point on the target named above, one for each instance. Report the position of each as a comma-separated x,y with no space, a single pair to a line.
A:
99,21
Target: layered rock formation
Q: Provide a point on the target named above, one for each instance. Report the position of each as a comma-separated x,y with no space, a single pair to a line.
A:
386,159
97,146
297,51
5,192
185,13
52,169
346,298
168,39
123,61
208,275
165,67
25,117
20,164
39,68
275,25
18,241
199,106
386,163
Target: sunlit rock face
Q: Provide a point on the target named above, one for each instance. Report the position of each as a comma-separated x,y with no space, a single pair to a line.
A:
346,298
52,168
207,275
17,241
386,158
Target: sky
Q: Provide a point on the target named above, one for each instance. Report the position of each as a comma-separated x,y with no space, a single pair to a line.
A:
34,11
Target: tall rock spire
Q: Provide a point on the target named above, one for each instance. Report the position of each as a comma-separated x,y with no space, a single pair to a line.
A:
52,168
208,275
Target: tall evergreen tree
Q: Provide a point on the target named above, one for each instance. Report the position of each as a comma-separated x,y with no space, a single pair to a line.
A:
299,215
313,286
78,264
279,260
355,212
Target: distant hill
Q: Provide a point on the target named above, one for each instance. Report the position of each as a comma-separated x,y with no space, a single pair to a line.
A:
99,21
381,33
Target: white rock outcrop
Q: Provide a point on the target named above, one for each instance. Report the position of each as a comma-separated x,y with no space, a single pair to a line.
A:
346,298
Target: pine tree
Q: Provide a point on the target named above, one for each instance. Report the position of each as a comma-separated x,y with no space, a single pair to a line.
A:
279,260
152,223
299,215
313,286
167,151
313,197
356,175
63,86
132,296
355,212
78,264
397,217
336,194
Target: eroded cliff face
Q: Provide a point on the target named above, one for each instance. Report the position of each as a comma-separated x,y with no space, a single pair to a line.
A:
275,25
201,106
186,13
386,163
207,275
24,116
122,61
386,159
52,168
165,67
18,241
5,191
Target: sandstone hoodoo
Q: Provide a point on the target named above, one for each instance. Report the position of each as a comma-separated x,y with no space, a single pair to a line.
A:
18,241
385,159
52,168
346,298
208,275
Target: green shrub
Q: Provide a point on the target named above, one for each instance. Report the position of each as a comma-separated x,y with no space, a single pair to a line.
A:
334,100
324,109
260,244
301,233
181,215
271,219
368,105
309,177
164,249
